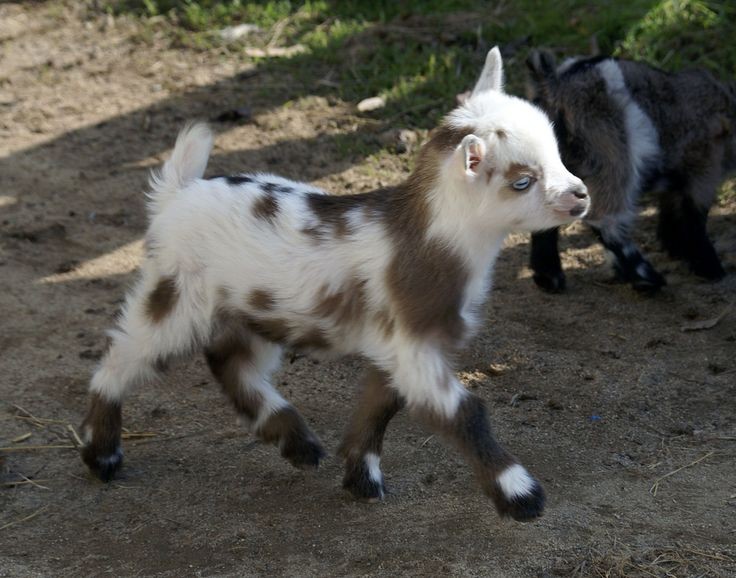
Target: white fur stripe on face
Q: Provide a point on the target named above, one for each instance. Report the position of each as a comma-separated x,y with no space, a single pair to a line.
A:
515,482
372,462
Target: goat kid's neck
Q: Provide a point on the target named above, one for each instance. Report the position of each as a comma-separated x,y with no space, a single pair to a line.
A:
457,219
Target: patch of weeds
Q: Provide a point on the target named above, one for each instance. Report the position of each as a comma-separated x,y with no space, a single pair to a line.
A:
354,144
727,194
418,55
676,34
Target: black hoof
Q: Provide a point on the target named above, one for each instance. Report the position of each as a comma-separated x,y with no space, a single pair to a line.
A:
361,485
551,282
104,465
710,269
522,508
304,453
649,284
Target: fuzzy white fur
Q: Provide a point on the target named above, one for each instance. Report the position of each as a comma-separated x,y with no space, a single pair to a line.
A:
515,482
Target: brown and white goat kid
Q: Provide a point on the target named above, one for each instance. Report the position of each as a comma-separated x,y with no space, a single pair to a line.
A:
244,266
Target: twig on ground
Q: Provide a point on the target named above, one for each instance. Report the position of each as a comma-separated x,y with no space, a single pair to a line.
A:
33,515
655,486
33,448
25,481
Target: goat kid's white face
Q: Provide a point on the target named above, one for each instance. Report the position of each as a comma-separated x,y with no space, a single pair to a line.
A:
513,164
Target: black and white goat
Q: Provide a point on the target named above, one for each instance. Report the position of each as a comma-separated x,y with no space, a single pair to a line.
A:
626,128
244,266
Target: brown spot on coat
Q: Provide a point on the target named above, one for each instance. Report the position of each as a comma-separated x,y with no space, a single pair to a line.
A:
516,171
261,300
331,211
427,285
347,305
266,206
162,299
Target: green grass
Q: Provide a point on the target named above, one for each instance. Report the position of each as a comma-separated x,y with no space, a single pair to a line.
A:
419,54
680,33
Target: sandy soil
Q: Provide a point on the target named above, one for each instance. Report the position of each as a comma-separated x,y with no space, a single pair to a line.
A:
598,391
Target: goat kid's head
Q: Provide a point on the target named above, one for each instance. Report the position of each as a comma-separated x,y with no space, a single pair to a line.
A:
510,163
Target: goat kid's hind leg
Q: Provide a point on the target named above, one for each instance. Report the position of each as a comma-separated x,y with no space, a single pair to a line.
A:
545,261
433,392
243,362
628,262
682,231
361,447
150,331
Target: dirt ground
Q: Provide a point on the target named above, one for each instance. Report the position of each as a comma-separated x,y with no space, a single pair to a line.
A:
628,420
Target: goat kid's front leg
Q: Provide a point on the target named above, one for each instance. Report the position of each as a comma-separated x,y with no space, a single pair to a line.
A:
545,261
512,488
628,262
435,395
361,447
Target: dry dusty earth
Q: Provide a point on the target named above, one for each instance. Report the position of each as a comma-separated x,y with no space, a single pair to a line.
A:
598,391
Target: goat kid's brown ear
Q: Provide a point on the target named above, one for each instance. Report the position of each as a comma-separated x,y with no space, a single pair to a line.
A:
474,152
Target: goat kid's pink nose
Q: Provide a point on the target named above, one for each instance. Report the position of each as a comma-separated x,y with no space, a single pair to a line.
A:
579,191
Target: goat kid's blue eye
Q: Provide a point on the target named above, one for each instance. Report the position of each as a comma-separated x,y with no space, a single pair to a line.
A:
522,184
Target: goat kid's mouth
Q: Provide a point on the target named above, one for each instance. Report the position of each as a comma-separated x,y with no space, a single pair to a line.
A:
572,210
577,211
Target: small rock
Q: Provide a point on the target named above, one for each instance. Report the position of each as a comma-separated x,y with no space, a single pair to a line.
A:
372,103
497,368
233,33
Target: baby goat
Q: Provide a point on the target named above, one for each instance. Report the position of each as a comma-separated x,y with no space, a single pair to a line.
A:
626,128
244,266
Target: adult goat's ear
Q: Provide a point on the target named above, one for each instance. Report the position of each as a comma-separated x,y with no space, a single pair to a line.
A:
491,77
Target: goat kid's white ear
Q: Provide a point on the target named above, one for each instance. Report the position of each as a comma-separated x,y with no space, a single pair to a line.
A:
474,151
491,77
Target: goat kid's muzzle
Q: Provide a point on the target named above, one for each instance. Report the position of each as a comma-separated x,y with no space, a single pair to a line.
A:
574,202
